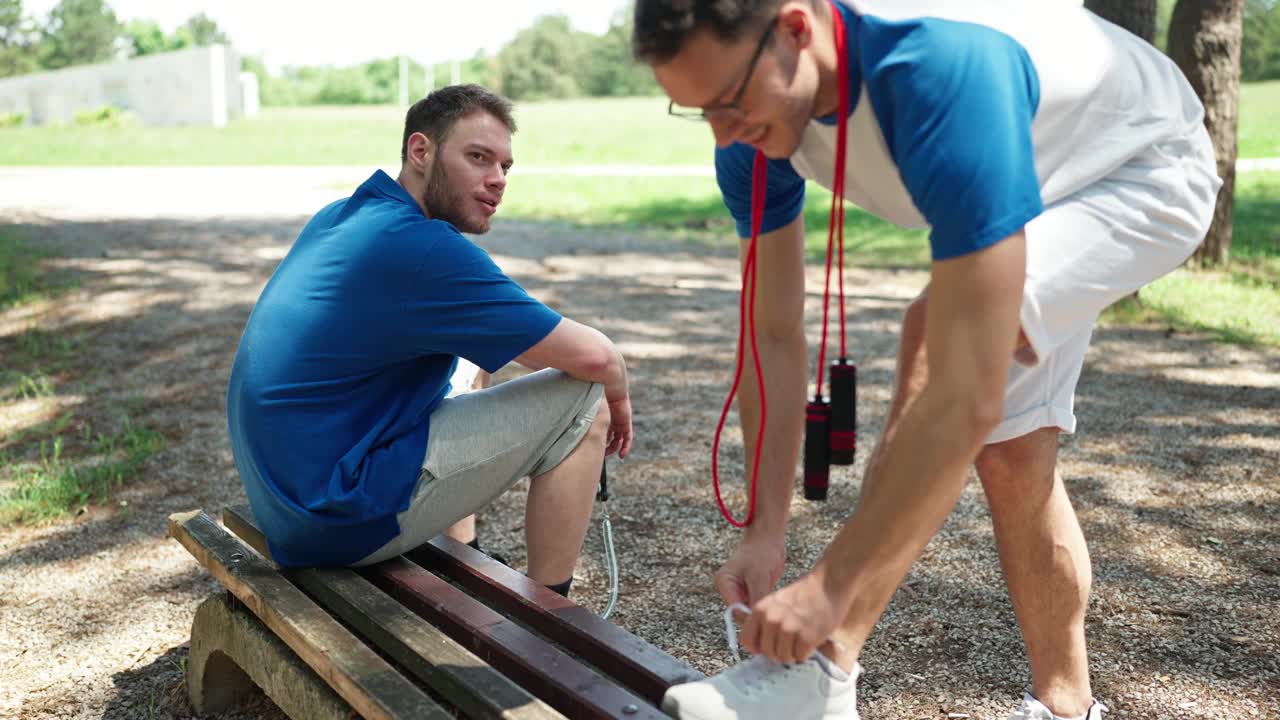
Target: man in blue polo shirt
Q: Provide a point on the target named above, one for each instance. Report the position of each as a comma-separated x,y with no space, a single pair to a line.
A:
1059,163
349,449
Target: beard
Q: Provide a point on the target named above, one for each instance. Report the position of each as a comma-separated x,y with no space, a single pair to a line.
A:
444,201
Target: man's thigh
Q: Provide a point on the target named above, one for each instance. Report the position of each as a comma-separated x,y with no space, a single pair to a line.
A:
1092,248
483,442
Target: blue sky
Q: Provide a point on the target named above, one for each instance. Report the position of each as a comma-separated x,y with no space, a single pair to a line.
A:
302,32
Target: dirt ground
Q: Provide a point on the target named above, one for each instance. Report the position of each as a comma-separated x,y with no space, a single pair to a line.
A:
1174,472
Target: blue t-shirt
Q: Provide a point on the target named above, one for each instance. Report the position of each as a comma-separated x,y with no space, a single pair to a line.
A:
345,356
954,102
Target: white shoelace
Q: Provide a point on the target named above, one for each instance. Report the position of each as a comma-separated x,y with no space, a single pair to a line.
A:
731,634
731,628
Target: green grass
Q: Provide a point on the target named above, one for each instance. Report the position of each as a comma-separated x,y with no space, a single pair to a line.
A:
1232,307
1255,242
46,472
690,208
1238,305
21,277
57,482
1259,129
279,136
1242,305
573,132
628,131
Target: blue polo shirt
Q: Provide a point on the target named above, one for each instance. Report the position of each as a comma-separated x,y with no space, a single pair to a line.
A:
346,354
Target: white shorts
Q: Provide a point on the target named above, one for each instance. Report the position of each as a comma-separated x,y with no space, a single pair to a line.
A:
1092,248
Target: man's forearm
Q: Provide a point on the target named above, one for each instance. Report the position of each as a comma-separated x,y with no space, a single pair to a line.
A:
785,361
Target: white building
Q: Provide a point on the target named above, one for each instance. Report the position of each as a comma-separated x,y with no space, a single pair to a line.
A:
195,86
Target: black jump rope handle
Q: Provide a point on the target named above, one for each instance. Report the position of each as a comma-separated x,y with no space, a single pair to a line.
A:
602,493
844,412
817,448
830,430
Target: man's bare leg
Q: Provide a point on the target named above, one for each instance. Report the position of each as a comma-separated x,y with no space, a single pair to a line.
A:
1045,563
909,379
559,507
1041,546
464,531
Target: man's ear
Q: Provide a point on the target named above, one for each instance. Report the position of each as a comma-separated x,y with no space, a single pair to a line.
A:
421,152
796,21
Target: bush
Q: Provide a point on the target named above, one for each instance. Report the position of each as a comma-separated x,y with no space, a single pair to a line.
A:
105,116
12,119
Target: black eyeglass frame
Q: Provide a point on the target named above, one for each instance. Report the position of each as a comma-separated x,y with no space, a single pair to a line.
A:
734,105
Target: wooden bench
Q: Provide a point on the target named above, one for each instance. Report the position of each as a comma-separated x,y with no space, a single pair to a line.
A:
441,632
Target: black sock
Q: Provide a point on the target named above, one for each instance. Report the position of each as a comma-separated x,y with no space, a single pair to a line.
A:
475,545
562,588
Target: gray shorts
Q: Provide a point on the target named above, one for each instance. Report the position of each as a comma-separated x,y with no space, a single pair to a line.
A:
483,442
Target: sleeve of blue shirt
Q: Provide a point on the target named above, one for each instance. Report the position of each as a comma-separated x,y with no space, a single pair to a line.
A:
463,304
955,102
784,194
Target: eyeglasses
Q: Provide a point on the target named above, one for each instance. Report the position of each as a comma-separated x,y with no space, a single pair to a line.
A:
735,105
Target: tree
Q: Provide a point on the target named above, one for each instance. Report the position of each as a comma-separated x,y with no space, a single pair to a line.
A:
1136,16
1204,40
609,68
146,38
201,31
17,56
540,61
78,32
1260,47
481,70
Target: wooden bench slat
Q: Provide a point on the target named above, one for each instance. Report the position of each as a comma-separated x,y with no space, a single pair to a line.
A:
476,688
546,671
239,520
647,670
367,682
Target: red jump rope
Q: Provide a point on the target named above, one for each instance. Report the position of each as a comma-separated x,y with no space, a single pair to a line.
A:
831,435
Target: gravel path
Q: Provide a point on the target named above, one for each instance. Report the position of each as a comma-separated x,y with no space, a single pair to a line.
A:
1174,473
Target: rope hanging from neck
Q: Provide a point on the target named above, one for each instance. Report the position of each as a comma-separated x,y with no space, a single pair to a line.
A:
820,436
746,319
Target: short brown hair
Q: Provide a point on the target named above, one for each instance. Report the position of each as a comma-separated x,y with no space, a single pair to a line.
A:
663,26
436,114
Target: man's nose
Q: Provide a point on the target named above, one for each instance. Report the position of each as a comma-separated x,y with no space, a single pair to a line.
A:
497,179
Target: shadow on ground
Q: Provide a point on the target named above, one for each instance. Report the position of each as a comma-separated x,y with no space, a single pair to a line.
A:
1174,479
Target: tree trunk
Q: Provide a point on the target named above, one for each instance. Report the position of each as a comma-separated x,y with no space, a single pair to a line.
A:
1204,40
1136,16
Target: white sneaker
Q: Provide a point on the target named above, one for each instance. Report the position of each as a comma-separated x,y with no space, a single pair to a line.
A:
1033,709
761,689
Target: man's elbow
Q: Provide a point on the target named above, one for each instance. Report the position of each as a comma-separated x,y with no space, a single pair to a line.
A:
598,363
785,329
594,360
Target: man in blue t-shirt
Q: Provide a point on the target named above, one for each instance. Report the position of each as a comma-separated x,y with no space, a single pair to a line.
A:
349,448
1059,163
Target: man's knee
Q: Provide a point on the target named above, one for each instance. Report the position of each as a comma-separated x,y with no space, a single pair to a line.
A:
600,424
1018,465
913,318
